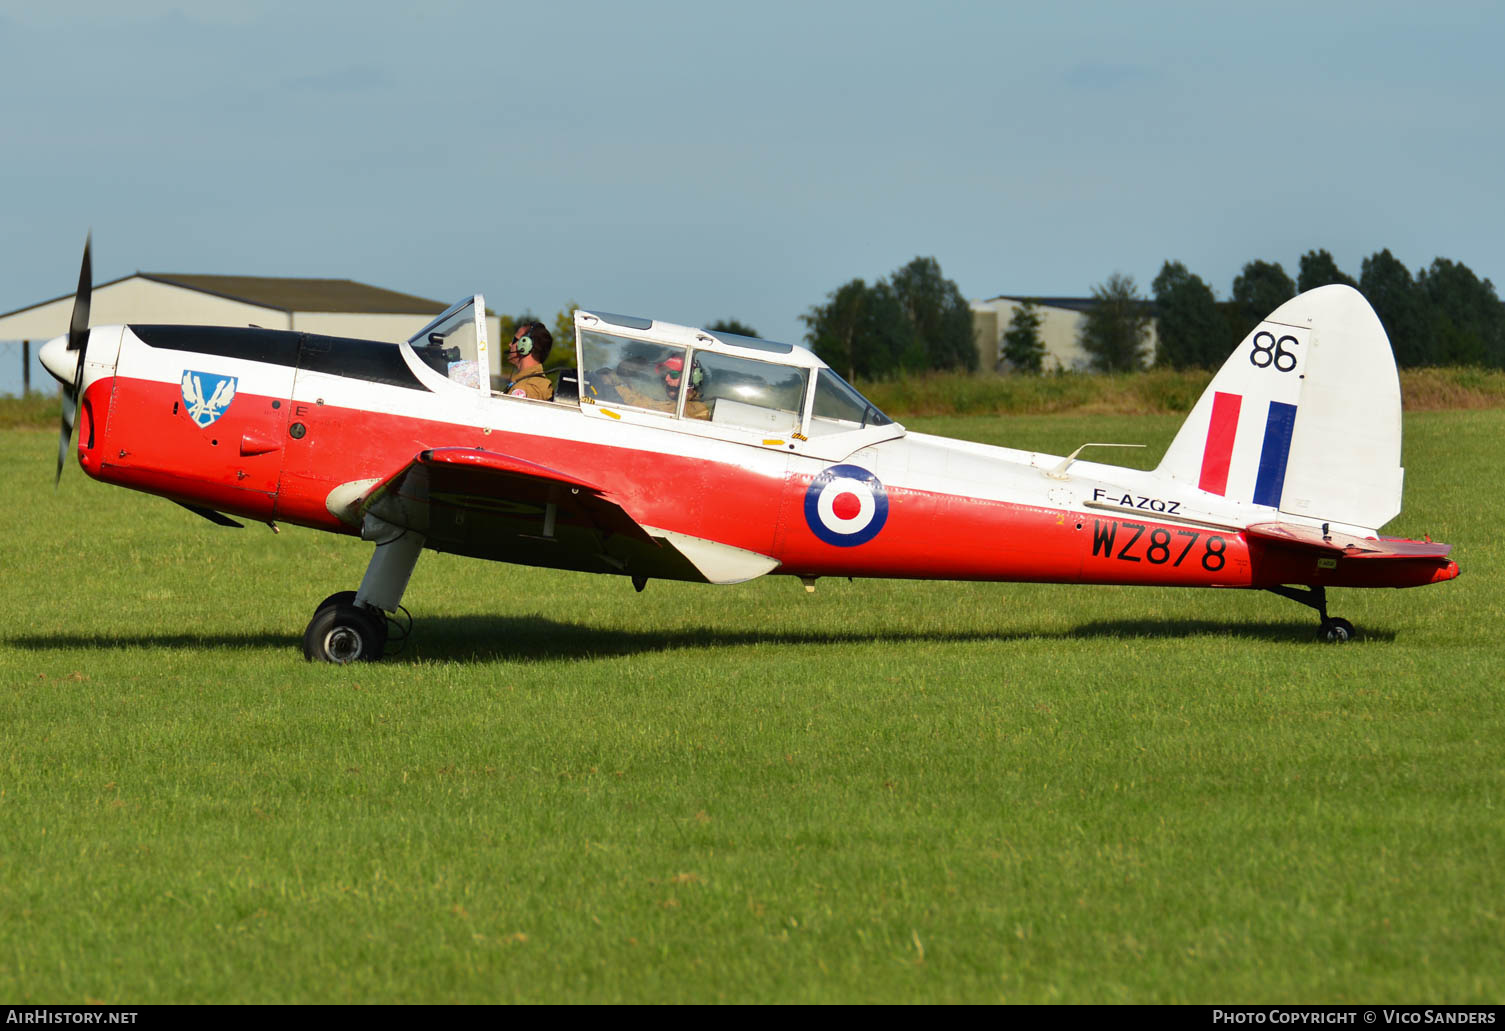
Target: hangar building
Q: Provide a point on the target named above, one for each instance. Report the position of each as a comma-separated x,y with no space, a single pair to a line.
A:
1060,327
332,307
335,307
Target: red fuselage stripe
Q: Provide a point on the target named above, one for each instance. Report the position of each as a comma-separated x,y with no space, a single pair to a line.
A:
1218,454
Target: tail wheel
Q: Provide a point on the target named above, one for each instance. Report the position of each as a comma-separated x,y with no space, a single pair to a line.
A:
341,633
1335,631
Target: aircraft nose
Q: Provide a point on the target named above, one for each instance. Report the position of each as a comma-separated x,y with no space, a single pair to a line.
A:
60,362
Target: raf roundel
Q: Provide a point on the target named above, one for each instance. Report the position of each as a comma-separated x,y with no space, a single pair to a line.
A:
846,505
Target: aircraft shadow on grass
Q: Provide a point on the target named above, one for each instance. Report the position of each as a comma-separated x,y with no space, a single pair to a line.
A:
522,639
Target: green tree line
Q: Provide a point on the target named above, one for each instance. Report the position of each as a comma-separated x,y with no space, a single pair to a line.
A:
916,319
913,320
1442,315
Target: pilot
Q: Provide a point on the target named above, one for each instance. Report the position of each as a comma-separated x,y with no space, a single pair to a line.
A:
526,353
672,370
668,374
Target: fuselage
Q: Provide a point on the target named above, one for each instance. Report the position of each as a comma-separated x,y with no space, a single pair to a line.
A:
276,426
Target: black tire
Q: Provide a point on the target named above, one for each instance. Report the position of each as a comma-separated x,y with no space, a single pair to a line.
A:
338,598
343,634
1336,631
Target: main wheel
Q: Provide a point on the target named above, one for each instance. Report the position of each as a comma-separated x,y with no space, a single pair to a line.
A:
338,598
341,633
1335,631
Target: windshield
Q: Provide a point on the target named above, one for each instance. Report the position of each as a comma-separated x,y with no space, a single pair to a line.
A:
454,344
839,407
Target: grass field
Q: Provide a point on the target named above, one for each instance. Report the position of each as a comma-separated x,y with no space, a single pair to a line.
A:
882,792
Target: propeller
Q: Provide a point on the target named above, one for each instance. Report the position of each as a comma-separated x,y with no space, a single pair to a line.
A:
78,340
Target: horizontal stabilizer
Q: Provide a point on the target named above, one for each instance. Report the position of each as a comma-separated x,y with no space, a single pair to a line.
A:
1311,538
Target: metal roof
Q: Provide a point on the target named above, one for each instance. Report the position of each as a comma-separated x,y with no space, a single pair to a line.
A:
1080,304
284,294
1073,303
344,295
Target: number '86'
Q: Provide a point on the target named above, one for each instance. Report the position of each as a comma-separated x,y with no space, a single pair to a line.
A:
1269,351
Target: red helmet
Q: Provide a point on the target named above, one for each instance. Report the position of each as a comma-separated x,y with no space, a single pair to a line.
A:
672,369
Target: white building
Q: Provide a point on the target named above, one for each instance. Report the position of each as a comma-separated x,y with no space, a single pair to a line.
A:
333,307
1060,330
329,307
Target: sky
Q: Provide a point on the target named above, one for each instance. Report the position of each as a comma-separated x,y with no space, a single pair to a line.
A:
701,161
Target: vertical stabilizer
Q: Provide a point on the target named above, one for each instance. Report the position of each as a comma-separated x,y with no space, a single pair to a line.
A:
1304,417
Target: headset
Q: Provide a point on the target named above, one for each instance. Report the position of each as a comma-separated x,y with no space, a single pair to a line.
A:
523,345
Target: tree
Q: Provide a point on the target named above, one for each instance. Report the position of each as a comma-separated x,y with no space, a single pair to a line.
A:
939,314
1116,326
1191,332
1262,287
916,319
732,326
862,330
833,328
1022,347
564,337
1465,317
1319,269
1387,284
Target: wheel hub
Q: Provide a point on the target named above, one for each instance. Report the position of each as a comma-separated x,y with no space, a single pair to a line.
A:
343,644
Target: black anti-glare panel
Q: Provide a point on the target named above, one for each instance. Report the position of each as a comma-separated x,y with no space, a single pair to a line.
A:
370,360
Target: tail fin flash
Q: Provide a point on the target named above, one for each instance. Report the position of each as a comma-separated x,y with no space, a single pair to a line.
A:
1304,417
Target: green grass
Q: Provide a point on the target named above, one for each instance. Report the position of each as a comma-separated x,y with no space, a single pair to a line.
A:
37,409
884,791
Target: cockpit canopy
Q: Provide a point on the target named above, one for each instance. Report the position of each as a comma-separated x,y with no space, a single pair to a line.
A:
723,378
636,370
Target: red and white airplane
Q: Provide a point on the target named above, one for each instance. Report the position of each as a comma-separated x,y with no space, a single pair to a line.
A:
766,462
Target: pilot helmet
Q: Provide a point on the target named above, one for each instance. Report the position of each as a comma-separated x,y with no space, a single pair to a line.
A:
672,369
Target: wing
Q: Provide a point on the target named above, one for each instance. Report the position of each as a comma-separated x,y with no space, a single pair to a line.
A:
470,501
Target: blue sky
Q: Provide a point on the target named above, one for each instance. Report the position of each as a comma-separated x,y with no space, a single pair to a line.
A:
696,161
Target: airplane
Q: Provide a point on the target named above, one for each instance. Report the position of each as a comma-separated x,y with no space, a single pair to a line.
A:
677,453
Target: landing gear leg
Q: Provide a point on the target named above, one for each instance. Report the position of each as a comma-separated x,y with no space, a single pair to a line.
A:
1333,630
351,626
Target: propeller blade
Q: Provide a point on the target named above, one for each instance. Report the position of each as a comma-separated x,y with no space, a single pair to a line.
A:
78,340
70,410
78,325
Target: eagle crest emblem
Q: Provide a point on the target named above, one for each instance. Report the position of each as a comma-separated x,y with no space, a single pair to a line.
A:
207,396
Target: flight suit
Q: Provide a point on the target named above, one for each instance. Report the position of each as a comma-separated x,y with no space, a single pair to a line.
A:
535,385
693,409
